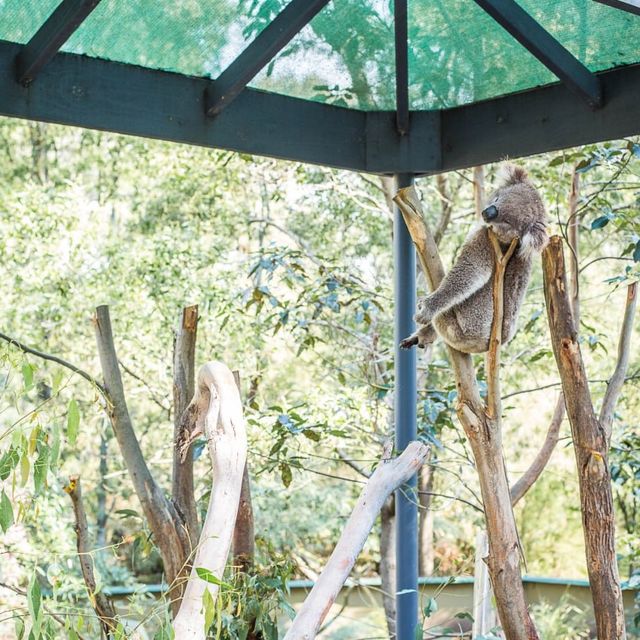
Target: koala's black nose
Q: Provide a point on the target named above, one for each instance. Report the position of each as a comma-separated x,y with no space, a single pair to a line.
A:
490,213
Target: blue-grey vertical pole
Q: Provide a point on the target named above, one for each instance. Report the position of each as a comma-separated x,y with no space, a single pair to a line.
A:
405,406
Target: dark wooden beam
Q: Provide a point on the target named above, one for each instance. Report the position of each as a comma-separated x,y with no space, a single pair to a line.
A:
546,48
632,6
57,29
402,66
109,96
539,120
257,55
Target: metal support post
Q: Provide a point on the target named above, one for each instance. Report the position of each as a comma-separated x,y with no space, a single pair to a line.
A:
405,406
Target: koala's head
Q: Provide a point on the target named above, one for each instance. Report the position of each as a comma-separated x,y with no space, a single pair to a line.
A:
516,210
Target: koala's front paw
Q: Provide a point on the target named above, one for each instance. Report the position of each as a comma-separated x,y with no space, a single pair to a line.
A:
409,342
424,315
422,338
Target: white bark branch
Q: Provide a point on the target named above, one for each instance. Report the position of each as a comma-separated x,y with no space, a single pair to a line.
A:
386,478
216,410
617,379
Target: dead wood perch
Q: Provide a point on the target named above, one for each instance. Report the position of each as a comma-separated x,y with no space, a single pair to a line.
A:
215,411
590,439
483,428
386,478
99,601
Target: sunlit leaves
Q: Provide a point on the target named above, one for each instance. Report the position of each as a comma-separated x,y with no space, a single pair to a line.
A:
208,576
285,474
8,462
6,512
73,421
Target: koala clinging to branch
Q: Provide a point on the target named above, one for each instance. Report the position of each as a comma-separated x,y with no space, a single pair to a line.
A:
461,308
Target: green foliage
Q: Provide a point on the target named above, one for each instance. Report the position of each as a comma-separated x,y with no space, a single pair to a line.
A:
562,620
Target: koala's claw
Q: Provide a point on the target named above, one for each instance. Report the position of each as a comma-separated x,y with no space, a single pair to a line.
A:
425,335
409,342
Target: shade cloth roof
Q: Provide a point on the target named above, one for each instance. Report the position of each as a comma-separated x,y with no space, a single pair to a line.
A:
457,53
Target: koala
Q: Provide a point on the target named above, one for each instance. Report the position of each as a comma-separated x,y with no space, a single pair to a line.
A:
460,310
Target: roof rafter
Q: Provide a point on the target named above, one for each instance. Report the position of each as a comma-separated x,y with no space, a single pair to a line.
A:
402,65
632,6
257,55
529,33
98,94
46,42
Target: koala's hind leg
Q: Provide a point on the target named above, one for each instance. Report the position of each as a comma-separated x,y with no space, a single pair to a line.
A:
467,339
424,336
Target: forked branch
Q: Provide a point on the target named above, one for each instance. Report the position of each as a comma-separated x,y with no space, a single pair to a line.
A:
162,517
482,426
495,341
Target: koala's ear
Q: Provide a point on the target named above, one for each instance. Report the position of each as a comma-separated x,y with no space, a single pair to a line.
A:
534,240
513,174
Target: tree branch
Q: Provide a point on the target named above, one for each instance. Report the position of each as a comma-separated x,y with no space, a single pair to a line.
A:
243,542
529,477
591,448
495,341
386,478
45,356
624,349
184,350
216,410
163,519
99,601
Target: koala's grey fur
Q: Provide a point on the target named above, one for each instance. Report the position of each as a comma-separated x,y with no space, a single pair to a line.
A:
461,308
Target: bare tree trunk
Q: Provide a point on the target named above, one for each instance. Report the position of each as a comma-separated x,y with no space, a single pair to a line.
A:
425,523
386,478
482,425
101,604
169,532
244,531
101,490
388,563
216,412
184,350
591,442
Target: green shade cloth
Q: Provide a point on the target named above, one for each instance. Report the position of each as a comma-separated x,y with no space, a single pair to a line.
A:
345,56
